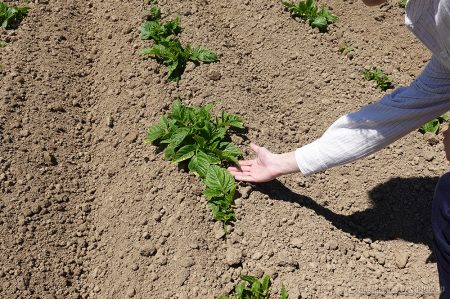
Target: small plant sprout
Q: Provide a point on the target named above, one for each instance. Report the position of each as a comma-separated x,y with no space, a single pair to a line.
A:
317,17
11,16
402,3
433,126
377,75
344,49
252,288
194,136
167,48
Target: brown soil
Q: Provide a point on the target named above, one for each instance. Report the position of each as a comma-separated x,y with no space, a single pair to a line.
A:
87,210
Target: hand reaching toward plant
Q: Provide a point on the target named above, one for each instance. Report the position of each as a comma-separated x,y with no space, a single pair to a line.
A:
265,167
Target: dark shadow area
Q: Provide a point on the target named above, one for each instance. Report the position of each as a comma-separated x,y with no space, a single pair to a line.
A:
401,210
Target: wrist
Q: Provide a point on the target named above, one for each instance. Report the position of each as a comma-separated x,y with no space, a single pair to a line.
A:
286,164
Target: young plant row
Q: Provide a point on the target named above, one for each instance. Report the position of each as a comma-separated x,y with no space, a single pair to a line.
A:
193,136
167,48
11,16
252,288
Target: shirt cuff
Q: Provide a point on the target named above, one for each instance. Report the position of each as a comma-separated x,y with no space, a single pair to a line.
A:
308,160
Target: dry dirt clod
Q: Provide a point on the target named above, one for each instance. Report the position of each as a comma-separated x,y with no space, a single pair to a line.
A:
297,243
49,158
233,256
148,250
401,259
245,191
131,292
218,230
214,75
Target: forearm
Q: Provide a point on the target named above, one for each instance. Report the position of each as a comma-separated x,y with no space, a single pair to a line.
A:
368,130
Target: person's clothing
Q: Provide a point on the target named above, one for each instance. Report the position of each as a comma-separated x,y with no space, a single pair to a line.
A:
441,231
368,130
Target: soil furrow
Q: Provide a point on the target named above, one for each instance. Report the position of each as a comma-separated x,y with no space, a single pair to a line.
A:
45,162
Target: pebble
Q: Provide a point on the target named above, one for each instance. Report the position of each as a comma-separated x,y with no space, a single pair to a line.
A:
285,260
297,243
257,256
131,138
218,230
331,245
431,138
429,156
233,256
134,267
245,191
49,158
110,121
148,250
401,259
131,292
214,75
24,133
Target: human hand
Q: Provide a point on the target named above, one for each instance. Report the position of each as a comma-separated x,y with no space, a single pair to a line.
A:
447,143
265,167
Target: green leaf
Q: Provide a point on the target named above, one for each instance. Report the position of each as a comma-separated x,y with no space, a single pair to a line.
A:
284,294
212,192
155,13
154,133
266,282
249,278
199,164
221,209
230,152
203,55
432,126
220,179
320,22
178,136
12,15
184,153
178,110
444,117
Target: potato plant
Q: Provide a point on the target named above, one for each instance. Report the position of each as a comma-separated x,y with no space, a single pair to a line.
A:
11,16
167,48
309,11
193,136
433,126
376,74
252,288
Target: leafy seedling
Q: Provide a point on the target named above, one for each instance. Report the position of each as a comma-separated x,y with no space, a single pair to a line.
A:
11,16
433,125
402,3
194,136
308,11
252,288
382,80
345,50
168,49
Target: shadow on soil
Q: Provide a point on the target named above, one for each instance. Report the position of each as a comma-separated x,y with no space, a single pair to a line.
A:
401,209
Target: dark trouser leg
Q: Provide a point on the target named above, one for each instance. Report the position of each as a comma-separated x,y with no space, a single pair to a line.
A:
441,231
